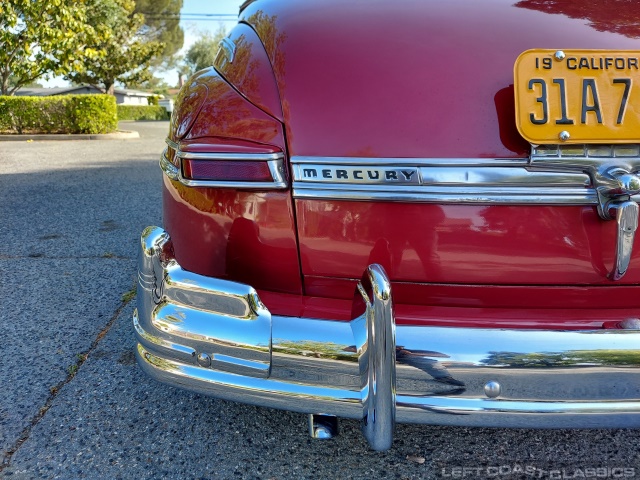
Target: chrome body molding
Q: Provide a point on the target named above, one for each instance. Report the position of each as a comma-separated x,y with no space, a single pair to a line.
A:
168,168
172,144
369,368
226,53
553,175
245,4
445,181
275,162
237,157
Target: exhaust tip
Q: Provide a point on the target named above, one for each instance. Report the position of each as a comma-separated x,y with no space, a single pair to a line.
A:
323,427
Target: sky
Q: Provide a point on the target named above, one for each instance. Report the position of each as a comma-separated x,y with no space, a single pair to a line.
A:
192,27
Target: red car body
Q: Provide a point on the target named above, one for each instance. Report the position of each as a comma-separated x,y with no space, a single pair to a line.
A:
271,169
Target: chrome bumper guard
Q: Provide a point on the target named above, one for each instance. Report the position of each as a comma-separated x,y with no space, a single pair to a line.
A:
216,337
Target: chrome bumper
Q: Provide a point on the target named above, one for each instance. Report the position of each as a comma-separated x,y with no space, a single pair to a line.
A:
216,337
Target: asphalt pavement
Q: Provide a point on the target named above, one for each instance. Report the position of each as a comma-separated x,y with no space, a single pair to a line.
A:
74,404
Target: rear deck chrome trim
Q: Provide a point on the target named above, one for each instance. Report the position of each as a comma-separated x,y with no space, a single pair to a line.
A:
553,175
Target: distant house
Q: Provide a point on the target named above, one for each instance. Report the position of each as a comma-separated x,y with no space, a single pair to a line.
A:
123,95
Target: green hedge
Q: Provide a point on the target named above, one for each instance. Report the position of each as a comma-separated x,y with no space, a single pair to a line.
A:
58,114
142,112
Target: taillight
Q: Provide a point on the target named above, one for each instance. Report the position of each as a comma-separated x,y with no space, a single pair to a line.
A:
232,170
226,171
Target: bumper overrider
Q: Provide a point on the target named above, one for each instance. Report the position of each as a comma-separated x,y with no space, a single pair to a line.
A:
216,337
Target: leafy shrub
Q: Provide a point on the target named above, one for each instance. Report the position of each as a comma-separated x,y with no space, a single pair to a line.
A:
142,112
58,114
94,115
153,99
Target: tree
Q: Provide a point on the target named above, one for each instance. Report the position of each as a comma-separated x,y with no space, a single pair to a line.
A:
41,37
124,55
33,84
203,52
162,24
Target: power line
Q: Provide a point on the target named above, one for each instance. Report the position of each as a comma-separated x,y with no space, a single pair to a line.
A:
178,15
193,16
210,14
221,18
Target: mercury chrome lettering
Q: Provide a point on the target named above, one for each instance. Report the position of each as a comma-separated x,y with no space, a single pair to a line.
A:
356,174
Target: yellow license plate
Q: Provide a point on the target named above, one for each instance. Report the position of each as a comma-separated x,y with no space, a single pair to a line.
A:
578,96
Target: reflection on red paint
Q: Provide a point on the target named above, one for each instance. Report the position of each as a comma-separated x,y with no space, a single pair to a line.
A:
459,244
615,16
243,236
250,72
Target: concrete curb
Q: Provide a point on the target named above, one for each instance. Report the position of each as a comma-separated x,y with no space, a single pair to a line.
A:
119,135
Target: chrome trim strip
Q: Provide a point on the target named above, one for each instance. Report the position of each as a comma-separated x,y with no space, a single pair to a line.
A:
444,183
176,348
228,46
543,179
500,176
255,157
443,375
489,181
169,169
241,185
172,144
450,197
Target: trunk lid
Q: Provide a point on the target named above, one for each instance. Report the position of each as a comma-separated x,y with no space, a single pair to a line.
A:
372,88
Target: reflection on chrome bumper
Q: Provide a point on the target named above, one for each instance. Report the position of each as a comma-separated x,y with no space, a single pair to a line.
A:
217,338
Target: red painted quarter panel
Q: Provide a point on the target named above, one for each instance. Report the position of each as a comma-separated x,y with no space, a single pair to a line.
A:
232,234
228,233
